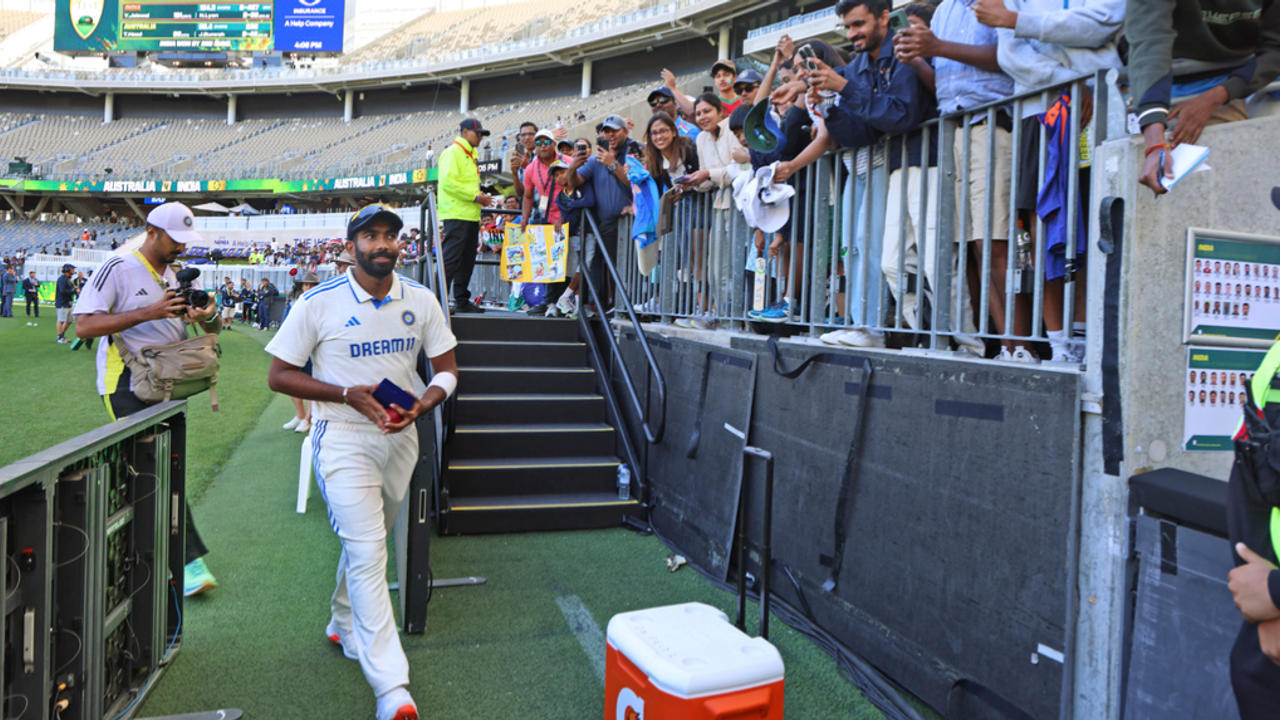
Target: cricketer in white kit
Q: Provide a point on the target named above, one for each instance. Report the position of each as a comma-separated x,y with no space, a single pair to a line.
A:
358,329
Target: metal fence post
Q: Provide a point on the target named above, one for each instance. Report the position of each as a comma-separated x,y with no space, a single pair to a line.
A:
820,234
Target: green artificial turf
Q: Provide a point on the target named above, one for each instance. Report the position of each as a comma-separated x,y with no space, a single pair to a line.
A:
504,649
51,395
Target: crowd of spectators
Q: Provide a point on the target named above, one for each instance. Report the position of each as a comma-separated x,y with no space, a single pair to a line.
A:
906,68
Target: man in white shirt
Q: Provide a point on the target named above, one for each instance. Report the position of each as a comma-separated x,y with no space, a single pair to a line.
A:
358,329
131,300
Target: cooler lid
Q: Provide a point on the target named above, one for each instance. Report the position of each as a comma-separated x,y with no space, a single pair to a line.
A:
691,650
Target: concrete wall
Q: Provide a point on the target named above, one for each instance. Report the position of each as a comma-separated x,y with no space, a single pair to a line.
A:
1236,196
954,573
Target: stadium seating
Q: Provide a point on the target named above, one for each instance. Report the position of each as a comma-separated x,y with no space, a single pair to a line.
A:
14,20
441,33
63,147
19,234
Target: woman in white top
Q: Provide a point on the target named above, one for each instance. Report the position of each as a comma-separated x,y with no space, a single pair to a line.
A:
720,158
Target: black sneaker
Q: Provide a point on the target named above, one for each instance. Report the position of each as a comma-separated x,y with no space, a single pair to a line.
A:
538,310
467,307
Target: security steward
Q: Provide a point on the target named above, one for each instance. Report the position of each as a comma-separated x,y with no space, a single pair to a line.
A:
358,329
1253,523
459,209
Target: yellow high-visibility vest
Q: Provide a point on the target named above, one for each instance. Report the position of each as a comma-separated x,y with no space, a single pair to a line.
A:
1261,387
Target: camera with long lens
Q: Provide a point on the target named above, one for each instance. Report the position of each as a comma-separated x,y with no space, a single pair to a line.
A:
193,297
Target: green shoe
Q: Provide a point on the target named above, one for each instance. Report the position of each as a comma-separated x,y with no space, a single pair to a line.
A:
197,578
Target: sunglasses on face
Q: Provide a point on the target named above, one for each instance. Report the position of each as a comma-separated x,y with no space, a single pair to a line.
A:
659,101
542,143
747,88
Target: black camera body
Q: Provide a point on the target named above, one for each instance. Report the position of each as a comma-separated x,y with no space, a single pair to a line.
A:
193,297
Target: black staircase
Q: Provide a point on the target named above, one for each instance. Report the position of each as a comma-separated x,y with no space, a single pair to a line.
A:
532,447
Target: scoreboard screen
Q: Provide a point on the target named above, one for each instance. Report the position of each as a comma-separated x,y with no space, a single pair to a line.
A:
175,25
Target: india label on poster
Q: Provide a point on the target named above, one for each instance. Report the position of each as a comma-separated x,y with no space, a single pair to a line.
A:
535,253
1214,395
1233,289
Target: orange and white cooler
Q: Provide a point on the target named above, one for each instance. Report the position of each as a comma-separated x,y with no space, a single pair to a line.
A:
687,662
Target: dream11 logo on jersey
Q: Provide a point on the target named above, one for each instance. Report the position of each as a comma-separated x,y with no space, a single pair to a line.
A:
629,705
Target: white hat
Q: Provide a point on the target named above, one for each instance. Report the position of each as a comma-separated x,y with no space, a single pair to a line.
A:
177,220
744,188
769,206
544,133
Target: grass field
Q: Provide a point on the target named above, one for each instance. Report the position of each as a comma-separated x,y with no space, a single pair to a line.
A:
527,644
51,395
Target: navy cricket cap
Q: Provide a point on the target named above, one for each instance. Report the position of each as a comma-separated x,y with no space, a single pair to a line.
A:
747,77
370,214
473,124
663,91
68,267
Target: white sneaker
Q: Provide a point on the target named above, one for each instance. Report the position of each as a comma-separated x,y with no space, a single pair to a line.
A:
683,322
1067,354
1075,348
567,302
303,427
970,345
705,322
338,638
648,307
1023,355
857,337
293,423
397,704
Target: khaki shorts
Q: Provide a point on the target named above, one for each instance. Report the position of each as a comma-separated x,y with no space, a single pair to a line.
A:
1000,209
64,315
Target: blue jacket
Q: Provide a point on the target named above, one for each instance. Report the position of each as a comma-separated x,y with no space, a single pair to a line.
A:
8,284
644,229
883,98
572,204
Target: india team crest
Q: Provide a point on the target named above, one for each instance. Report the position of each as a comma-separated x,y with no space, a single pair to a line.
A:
85,15
408,317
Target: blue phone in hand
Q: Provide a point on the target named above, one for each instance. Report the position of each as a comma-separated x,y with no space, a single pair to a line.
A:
388,393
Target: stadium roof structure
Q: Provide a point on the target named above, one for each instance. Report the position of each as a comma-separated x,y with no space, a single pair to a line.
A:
673,22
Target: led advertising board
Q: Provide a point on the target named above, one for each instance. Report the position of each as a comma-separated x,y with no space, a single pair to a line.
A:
177,25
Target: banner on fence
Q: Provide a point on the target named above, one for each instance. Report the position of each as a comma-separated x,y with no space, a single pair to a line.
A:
535,253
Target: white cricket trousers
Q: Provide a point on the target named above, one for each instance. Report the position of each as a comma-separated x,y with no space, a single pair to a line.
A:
363,476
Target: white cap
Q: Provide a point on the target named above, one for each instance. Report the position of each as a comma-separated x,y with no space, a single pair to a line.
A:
770,206
177,220
544,133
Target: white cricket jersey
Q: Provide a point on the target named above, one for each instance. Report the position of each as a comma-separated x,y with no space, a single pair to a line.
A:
122,284
352,339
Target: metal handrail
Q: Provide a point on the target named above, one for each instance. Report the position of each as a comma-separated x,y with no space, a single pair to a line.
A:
651,433
431,274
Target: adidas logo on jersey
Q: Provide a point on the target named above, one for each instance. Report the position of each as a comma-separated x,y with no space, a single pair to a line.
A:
353,322
141,292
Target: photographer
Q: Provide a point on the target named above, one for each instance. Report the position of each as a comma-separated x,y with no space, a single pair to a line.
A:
133,301
227,299
267,294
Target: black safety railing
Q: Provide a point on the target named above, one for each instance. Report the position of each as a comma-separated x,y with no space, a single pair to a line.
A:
430,272
616,368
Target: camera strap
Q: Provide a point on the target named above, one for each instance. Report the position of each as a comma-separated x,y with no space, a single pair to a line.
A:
154,275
